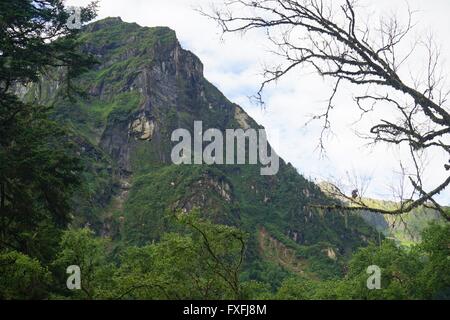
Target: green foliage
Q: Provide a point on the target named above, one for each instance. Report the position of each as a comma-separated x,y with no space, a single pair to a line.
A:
22,277
398,268
90,117
297,288
205,262
202,264
435,277
177,267
34,36
167,188
266,272
420,272
81,248
38,170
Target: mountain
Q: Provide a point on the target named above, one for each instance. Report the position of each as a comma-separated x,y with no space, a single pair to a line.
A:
145,86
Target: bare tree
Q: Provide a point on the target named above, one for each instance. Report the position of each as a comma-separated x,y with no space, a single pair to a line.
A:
329,37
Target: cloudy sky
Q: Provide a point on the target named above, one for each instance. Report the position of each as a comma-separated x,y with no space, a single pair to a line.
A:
234,63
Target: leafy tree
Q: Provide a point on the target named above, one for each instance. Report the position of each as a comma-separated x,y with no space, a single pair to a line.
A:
22,277
435,277
266,272
399,270
297,288
223,249
203,264
37,174
38,169
81,248
420,272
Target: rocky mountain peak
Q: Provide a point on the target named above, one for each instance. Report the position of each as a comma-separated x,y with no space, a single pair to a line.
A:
144,86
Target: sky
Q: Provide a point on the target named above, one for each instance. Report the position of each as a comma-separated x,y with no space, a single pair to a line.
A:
234,63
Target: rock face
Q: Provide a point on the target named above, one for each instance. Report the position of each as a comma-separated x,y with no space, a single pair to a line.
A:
242,118
331,254
150,63
142,128
144,87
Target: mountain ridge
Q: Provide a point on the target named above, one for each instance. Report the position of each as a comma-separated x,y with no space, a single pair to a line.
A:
146,85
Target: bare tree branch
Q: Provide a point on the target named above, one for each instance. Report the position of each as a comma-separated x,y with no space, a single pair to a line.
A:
330,37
